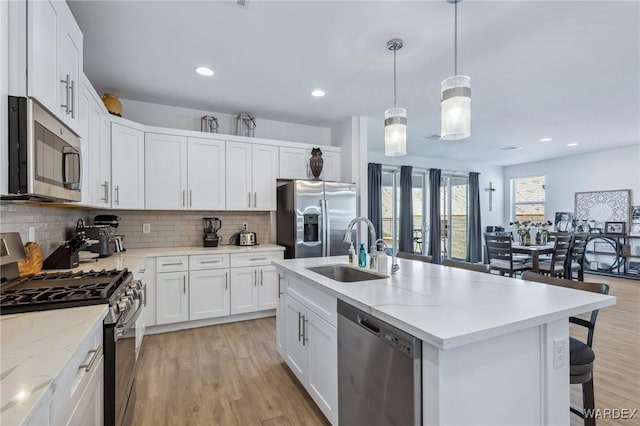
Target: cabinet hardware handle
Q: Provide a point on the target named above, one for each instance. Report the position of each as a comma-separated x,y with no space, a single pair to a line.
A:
190,198
210,261
226,281
105,185
249,199
255,199
73,104
184,284
172,264
279,285
299,327
117,191
87,367
183,195
255,277
66,83
304,330
257,258
145,295
261,277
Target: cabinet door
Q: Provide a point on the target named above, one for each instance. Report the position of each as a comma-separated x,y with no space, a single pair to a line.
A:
100,140
208,294
265,173
165,172
268,288
43,81
149,278
281,318
294,163
206,174
89,408
85,105
322,347
69,42
240,196
296,357
127,167
172,302
331,167
244,290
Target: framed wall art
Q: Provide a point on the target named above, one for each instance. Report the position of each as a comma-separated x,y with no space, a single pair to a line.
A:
615,227
635,220
603,206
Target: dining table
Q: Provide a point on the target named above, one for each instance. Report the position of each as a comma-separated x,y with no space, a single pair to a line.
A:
534,250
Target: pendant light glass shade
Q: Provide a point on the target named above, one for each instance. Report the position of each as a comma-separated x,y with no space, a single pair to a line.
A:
395,132
455,108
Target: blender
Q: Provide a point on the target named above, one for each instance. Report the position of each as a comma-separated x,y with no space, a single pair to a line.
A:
212,226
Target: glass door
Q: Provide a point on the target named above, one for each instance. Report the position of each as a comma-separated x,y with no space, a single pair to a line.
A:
390,208
454,192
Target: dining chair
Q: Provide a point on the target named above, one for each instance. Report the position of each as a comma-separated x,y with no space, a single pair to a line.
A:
575,260
500,255
581,354
411,256
478,267
556,266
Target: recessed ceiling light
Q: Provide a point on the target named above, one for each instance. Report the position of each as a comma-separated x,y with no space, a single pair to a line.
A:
545,140
510,148
573,144
317,93
207,72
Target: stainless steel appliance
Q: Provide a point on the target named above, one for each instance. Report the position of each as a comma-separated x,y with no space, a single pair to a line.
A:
210,237
44,155
379,371
101,238
117,289
247,238
312,217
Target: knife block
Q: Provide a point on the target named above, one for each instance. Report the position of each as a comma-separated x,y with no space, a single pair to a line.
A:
61,259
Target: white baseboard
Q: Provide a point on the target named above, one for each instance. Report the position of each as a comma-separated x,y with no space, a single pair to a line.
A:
166,328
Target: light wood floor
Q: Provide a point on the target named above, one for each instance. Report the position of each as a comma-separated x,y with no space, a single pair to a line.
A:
227,375
231,374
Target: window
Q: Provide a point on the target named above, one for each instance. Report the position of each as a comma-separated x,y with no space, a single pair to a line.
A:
527,198
453,215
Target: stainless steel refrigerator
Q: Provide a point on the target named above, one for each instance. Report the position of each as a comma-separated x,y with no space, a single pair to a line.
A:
312,217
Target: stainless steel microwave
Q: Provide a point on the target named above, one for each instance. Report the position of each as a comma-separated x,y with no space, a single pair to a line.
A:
44,154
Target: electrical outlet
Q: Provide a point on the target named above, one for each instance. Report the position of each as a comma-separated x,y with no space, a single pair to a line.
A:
32,233
559,353
146,228
245,226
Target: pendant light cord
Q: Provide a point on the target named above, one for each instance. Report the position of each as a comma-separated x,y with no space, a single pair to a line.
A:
455,39
394,77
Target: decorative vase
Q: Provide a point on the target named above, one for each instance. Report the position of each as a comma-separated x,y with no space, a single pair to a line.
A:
544,238
527,239
112,103
538,238
316,162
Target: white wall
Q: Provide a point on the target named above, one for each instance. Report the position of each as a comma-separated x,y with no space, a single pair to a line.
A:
493,174
599,171
189,119
4,91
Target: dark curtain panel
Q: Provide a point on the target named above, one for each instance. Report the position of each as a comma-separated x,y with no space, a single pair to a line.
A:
474,231
434,215
405,235
375,198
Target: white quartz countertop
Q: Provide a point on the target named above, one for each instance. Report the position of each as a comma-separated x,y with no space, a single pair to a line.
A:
131,258
35,348
450,307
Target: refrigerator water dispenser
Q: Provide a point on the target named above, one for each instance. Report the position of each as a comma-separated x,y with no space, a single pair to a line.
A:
311,228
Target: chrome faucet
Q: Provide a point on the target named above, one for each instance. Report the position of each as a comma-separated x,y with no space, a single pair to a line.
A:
394,266
372,232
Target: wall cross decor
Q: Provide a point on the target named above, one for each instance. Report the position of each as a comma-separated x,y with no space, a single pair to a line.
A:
491,190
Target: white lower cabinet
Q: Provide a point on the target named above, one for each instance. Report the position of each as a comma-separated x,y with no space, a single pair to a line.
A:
310,345
89,409
280,318
253,289
172,301
208,294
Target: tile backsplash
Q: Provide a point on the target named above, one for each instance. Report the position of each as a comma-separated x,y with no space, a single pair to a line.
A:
184,228
52,225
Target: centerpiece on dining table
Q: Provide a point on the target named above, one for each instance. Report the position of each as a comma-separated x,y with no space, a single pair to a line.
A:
523,229
542,232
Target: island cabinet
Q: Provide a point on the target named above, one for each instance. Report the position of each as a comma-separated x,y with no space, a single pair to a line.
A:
252,170
307,332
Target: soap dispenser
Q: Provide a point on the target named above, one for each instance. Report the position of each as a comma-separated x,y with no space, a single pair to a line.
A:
362,256
352,255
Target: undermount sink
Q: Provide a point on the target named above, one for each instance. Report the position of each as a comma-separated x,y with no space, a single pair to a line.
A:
346,274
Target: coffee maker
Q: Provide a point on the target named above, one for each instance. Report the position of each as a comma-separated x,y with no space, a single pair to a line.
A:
212,226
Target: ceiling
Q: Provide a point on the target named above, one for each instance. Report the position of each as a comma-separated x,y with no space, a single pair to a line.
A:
568,70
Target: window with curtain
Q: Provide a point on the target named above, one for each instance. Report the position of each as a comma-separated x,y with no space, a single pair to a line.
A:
454,208
527,198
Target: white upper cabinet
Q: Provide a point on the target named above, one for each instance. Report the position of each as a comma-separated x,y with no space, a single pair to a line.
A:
294,164
165,168
331,166
127,167
54,59
206,174
252,170
184,173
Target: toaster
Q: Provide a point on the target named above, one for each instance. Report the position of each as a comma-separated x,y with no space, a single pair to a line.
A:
247,238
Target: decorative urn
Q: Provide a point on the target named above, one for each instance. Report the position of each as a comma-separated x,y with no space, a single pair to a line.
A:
316,162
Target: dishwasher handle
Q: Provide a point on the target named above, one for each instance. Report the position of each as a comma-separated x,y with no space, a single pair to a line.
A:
369,326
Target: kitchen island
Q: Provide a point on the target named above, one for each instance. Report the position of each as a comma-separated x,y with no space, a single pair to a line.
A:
488,341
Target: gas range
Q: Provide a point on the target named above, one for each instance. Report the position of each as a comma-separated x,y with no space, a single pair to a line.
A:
71,289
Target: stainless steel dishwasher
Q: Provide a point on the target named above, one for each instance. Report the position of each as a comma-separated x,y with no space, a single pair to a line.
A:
379,371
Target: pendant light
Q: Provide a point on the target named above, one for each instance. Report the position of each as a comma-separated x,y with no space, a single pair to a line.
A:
455,101
395,119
